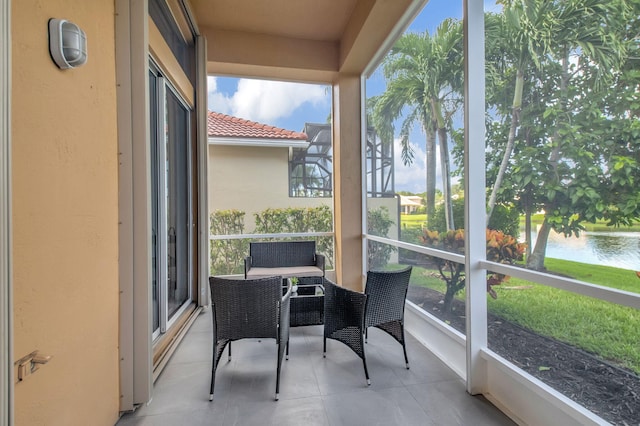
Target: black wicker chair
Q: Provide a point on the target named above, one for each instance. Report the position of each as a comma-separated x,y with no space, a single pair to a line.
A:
253,308
344,319
348,314
386,294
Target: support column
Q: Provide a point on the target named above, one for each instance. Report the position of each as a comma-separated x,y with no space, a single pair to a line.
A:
6,312
347,180
132,73
475,202
202,162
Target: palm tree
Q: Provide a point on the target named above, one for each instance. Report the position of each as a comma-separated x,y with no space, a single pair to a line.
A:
423,73
518,37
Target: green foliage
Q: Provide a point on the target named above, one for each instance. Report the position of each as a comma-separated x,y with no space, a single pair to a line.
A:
501,248
410,235
227,255
575,126
378,223
504,218
296,220
438,222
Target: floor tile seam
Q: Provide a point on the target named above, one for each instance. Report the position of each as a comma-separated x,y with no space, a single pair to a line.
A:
417,402
183,364
294,352
326,413
345,391
378,389
419,380
435,382
160,414
315,378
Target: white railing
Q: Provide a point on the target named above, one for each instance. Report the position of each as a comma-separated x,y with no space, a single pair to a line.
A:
620,297
526,399
258,236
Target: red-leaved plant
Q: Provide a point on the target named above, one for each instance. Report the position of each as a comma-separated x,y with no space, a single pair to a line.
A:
501,248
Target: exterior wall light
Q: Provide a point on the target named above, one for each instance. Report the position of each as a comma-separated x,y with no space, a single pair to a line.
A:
67,44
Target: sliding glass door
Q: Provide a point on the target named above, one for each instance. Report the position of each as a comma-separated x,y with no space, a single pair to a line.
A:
170,200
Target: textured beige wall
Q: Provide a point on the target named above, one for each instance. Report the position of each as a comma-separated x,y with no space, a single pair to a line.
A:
65,247
252,179
348,181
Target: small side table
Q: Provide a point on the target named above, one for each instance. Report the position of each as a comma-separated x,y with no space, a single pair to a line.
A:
307,304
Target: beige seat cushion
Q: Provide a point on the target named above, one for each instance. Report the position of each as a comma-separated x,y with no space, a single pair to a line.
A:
285,272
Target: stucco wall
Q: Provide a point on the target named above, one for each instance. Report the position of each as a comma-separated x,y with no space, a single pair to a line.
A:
252,179
65,246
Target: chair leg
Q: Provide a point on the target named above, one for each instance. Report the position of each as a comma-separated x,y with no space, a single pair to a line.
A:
278,371
366,334
229,358
324,348
213,376
404,349
287,351
366,371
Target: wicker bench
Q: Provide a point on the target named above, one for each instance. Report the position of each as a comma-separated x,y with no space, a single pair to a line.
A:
285,258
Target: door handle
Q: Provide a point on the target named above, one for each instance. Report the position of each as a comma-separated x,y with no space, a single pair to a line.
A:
29,364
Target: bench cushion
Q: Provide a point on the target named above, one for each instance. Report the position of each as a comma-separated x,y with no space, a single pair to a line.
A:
285,272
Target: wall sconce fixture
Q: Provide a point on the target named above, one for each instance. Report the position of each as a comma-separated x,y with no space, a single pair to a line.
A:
67,44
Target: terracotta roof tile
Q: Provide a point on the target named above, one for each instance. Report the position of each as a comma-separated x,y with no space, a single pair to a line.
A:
222,125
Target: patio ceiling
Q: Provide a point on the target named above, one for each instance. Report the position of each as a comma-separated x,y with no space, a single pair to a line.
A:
303,40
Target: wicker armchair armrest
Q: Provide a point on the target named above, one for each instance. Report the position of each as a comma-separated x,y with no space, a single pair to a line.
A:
344,316
344,312
285,315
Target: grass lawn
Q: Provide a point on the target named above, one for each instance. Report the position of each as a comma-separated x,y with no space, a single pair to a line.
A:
599,226
413,220
419,220
603,328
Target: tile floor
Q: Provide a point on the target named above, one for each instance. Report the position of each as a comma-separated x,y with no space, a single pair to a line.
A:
313,390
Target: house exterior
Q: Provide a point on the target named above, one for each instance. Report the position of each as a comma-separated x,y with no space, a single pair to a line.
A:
410,203
104,191
249,166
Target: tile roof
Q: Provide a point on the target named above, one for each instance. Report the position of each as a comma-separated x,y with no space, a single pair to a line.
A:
222,125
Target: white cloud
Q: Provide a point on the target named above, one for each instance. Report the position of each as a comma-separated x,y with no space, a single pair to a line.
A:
264,101
217,101
413,177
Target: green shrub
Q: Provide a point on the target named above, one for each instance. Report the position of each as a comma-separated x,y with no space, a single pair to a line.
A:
504,218
378,223
226,256
299,219
411,235
438,221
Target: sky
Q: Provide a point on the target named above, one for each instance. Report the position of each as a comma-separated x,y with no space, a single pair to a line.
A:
290,105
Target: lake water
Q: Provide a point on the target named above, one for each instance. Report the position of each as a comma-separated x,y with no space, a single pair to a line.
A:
618,249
